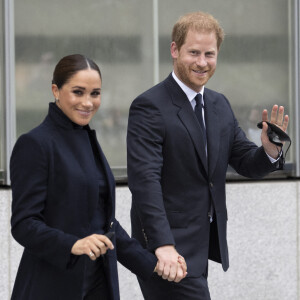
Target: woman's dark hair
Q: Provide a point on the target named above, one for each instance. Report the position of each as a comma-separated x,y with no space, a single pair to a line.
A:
69,65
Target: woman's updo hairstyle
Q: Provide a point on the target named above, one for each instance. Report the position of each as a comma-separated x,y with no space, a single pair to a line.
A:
69,65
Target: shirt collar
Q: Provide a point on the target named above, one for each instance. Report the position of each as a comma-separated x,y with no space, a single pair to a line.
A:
191,94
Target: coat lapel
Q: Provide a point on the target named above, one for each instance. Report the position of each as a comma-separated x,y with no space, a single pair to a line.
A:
188,118
212,131
108,174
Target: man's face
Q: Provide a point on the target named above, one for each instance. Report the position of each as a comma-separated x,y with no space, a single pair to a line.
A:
196,61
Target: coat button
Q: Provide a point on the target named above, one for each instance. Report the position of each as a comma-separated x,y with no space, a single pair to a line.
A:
211,184
111,224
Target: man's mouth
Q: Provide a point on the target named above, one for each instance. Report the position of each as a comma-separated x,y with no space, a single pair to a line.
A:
200,71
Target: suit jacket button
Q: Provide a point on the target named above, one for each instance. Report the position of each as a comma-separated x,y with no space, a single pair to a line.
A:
211,184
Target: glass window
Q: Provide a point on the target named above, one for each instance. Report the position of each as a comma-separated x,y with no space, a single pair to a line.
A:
113,33
255,67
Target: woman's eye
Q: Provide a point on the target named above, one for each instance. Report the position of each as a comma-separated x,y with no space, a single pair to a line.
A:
95,94
78,92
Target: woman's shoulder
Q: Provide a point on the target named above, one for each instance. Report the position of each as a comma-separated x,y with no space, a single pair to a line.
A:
40,135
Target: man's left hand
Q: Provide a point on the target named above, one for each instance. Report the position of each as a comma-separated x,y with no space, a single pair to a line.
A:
279,119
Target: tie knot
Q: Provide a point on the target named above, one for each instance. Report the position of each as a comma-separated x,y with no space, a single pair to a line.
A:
198,99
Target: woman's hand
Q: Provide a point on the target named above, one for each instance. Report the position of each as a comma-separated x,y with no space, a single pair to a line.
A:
181,270
93,246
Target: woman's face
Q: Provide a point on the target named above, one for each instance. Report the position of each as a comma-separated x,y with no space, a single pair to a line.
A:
80,97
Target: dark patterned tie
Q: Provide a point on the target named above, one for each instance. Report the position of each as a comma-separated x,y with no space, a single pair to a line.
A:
198,112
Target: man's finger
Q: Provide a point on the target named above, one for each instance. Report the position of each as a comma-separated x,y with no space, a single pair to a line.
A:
159,268
264,128
166,272
285,122
274,113
264,116
173,272
279,119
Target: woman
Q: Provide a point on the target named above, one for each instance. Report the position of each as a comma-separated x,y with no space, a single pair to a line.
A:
64,199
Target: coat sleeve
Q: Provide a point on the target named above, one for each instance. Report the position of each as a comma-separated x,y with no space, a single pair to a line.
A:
29,174
132,255
145,139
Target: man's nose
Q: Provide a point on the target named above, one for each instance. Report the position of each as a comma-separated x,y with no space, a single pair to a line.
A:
201,61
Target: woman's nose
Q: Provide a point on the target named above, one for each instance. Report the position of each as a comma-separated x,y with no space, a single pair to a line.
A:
87,101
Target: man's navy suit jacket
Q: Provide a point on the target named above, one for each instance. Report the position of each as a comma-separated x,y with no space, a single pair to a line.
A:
171,179
55,194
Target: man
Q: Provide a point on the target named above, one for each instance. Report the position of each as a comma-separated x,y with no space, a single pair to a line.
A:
181,138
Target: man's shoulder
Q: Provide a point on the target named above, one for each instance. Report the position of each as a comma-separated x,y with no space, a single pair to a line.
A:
212,93
155,90
216,97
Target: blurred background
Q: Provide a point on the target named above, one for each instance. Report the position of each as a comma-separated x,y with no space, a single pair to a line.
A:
130,41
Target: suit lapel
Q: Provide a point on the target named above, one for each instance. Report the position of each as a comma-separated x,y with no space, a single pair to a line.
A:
212,130
188,118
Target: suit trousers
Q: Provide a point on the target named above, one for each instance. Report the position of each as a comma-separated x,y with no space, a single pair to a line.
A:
190,288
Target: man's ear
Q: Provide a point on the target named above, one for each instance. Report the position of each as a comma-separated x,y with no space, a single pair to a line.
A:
174,50
55,91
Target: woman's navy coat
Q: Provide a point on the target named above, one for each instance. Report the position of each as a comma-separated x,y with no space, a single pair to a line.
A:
55,193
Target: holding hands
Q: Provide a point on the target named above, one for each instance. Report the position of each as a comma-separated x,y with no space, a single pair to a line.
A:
279,119
171,265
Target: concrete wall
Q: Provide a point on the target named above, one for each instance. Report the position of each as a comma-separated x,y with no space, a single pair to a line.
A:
263,237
